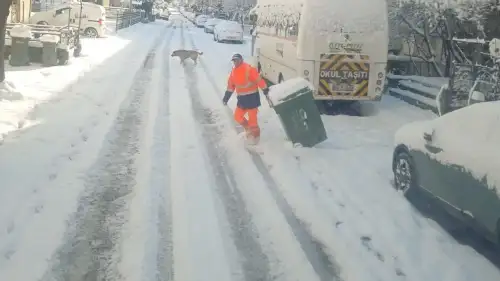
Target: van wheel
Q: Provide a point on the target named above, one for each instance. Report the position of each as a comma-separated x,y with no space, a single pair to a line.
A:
91,32
280,78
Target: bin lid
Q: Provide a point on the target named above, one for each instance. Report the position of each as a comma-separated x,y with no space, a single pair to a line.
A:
290,89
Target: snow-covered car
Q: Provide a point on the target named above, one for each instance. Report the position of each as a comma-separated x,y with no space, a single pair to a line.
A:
210,24
201,20
455,161
164,15
173,11
228,31
156,12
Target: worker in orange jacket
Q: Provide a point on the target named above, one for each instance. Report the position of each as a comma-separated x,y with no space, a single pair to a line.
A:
246,81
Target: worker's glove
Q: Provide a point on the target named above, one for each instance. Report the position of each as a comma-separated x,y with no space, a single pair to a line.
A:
266,92
227,95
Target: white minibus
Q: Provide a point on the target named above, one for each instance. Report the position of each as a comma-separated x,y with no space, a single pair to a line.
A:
339,45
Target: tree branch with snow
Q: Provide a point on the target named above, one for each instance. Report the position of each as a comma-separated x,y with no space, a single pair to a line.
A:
429,20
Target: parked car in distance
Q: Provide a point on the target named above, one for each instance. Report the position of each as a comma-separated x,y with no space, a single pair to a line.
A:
164,15
201,20
229,31
93,17
454,161
210,24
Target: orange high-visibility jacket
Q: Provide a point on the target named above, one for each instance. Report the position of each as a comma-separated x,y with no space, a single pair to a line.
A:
246,81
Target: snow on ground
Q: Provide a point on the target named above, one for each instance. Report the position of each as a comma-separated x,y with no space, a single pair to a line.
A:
45,168
342,190
36,84
136,171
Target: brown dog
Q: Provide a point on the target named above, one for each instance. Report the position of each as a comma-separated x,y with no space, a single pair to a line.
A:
185,54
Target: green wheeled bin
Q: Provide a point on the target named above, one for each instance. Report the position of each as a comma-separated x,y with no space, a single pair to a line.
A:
298,112
19,49
49,53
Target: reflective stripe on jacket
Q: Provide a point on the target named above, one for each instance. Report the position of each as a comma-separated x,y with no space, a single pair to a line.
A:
245,80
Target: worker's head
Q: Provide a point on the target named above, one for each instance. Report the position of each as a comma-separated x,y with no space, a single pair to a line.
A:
237,59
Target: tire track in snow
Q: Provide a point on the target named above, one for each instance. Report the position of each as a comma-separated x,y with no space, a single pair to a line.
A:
255,263
161,175
323,264
91,250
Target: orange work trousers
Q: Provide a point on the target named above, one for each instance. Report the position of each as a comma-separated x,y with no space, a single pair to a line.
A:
250,123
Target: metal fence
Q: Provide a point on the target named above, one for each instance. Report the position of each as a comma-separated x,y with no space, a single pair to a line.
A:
45,5
112,12
126,18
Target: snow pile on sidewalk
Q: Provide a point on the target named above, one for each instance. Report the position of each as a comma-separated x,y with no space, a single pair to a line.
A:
8,91
10,115
35,84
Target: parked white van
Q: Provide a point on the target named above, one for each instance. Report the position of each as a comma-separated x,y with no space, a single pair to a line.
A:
340,46
93,17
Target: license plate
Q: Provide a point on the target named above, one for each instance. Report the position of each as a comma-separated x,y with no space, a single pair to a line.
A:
342,87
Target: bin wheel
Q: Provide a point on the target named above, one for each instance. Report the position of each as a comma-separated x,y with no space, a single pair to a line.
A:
280,78
6,52
63,57
321,106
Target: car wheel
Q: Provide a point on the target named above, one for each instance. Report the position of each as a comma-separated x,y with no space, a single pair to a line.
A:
404,172
42,23
215,39
91,32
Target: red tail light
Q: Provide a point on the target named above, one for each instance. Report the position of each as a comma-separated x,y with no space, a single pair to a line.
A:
100,21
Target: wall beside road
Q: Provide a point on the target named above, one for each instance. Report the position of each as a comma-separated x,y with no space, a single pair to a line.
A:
19,11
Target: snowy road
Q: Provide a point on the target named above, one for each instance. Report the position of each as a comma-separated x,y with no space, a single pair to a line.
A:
136,172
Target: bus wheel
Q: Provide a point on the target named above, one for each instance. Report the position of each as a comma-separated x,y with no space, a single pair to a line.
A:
321,106
280,78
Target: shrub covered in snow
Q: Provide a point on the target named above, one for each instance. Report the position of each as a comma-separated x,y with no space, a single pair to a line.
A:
420,23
